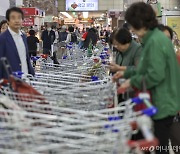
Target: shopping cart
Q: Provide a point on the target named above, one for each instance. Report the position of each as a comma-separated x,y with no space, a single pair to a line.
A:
33,127
69,117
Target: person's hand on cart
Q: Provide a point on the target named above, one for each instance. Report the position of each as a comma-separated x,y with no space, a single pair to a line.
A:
115,68
117,76
124,87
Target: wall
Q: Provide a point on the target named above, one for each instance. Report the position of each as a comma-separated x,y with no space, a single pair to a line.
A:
170,4
47,5
19,2
5,4
3,7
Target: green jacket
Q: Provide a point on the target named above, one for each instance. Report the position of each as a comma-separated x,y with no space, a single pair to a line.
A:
159,68
130,57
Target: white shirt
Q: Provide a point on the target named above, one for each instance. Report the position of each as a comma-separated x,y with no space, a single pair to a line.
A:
56,37
17,37
68,39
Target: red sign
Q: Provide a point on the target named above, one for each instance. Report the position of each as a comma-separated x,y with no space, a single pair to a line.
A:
29,11
28,21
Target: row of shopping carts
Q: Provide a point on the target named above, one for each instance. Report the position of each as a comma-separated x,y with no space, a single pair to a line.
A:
66,108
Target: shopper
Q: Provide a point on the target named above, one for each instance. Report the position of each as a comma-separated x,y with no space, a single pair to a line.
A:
90,38
166,30
106,35
83,38
128,53
48,37
71,37
13,44
33,44
63,34
158,67
77,32
3,26
170,34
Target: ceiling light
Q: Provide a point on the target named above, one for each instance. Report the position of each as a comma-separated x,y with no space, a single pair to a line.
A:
85,14
67,15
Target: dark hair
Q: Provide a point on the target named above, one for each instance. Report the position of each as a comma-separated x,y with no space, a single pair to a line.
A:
122,36
14,9
164,28
2,23
87,29
32,33
126,25
71,29
141,15
92,30
112,37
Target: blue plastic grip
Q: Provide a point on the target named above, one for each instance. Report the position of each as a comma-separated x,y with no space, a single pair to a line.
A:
64,57
106,49
35,58
150,111
137,100
102,56
94,78
18,74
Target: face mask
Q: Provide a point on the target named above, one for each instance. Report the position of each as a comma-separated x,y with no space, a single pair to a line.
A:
49,29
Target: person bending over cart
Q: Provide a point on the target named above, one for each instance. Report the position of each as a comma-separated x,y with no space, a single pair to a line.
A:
159,69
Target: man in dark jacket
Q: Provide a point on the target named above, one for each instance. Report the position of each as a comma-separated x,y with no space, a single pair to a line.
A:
48,37
13,44
91,38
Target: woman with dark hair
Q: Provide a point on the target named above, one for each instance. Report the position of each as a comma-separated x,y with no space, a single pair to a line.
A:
91,38
166,30
33,44
128,51
157,67
3,26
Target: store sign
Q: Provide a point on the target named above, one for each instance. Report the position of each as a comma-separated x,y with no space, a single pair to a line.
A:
68,21
81,5
29,21
29,11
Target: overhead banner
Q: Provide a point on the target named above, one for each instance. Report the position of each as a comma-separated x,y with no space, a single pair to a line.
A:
81,5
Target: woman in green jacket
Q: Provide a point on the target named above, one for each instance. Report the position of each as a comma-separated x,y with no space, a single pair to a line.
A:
158,67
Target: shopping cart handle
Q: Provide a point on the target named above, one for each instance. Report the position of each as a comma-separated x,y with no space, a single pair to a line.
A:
150,111
35,58
18,74
115,118
104,62
64,57
94,78
137,100
102,56
106,49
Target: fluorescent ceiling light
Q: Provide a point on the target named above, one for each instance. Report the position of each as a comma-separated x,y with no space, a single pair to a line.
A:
67,15
85,14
